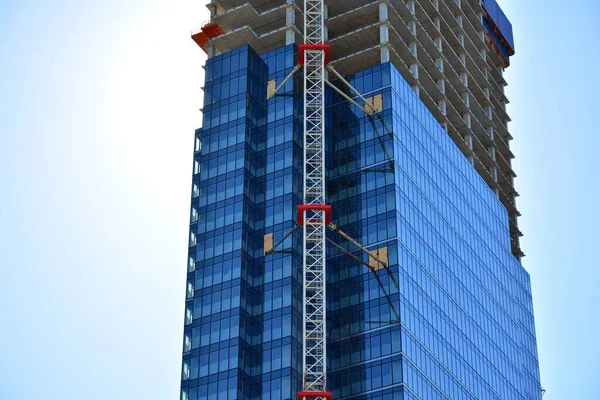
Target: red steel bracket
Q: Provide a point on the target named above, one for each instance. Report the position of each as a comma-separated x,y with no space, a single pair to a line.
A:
314,395
314,207
303,47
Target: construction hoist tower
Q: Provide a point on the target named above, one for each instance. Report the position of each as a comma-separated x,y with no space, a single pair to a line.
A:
314,210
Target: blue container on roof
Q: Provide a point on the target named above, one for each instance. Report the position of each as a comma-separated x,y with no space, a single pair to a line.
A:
499,28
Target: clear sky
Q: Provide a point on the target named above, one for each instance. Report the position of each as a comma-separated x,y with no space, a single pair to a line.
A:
98,103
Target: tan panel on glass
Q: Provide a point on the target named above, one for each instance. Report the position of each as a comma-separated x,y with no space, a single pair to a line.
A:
382,254
376,103
271,86
268,242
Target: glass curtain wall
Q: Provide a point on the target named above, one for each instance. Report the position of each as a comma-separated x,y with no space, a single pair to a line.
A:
397,181
458,325
242,336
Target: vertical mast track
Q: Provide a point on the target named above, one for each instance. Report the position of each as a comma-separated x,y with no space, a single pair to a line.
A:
313,55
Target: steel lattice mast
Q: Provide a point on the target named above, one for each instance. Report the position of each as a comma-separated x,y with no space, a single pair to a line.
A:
314,216
314,223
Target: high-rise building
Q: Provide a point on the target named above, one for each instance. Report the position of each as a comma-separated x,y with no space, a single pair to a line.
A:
425,179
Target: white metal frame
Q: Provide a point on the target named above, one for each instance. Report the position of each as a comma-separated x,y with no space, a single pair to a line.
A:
314,326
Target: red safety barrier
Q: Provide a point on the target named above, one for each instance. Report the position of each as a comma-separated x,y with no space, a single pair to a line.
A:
207,32
303,47
212,30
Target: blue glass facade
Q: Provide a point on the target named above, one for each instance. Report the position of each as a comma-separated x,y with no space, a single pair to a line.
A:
395,180
465,303
242,335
